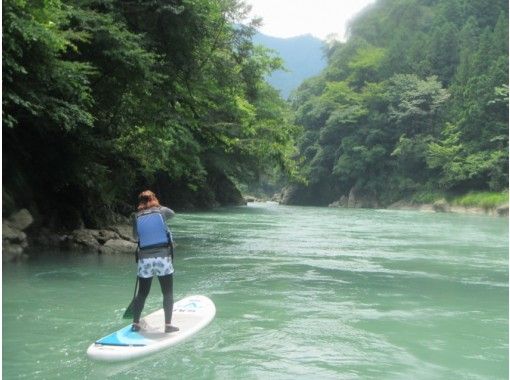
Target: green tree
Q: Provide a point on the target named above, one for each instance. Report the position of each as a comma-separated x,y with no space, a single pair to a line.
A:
414,99
103,97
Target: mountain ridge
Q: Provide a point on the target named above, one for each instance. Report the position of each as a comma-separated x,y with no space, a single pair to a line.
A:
302,55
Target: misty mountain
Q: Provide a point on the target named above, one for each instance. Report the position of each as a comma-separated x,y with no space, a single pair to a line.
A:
302,56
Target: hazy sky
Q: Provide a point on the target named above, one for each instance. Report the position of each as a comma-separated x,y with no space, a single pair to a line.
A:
288,18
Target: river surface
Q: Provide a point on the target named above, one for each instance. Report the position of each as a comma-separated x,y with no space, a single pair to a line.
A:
301,293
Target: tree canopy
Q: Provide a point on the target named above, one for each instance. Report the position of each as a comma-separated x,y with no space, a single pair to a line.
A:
416,99
105,97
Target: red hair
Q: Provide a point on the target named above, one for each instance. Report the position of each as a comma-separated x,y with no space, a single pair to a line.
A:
147,199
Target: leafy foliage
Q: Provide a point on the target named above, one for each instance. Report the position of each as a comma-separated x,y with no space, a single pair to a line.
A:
102,97
415,101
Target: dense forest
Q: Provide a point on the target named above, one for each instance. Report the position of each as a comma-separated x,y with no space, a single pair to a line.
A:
104,98
414,104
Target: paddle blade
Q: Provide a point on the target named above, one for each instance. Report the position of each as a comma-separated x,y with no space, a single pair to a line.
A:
128,314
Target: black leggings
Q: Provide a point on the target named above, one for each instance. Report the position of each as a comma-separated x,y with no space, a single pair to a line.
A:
167,288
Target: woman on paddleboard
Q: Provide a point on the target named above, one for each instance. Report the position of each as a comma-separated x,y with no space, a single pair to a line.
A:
154,255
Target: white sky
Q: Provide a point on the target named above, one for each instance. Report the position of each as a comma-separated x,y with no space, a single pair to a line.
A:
289,18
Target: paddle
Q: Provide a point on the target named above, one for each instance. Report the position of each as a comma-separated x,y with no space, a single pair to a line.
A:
128,314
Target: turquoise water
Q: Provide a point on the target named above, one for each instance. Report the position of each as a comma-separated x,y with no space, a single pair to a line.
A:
301,293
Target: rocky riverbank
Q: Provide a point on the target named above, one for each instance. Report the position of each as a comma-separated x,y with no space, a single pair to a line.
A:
22,235
115,239
298,195
18,237
441,206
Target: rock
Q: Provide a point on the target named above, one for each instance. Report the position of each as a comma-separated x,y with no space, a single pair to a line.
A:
249,199
118,246
21,220
14,240
125,232
427,207
342,202
277,197
12,234
352,199
402,205
468,210
502,210
83,238
293,195
12,252
441,206
361,200
102,236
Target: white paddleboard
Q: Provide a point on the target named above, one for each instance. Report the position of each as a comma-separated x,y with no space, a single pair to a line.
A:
190,315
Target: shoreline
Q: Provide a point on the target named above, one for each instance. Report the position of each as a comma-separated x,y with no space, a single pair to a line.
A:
436,207
442,206
18,239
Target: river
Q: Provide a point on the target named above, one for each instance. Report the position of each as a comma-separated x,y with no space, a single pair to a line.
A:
301,293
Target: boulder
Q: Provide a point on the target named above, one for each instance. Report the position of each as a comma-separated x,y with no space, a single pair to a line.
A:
14,240
293,195
12,234
21,220
118,246
125,232
352,199
357,199
342,202
441,205
277,197
102,236
83,238
12,252
502,210
401,205
11,249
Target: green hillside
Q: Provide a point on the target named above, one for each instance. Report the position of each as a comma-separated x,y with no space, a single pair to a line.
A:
102,99
415,101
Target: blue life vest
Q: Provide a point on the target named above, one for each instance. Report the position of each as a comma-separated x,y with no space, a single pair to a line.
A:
152,231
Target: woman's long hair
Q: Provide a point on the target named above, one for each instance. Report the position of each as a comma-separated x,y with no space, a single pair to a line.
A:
147,199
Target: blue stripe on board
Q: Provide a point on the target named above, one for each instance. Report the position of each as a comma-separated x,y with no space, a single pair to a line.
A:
124,337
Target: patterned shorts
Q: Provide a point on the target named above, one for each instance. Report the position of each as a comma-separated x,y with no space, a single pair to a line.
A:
155,266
